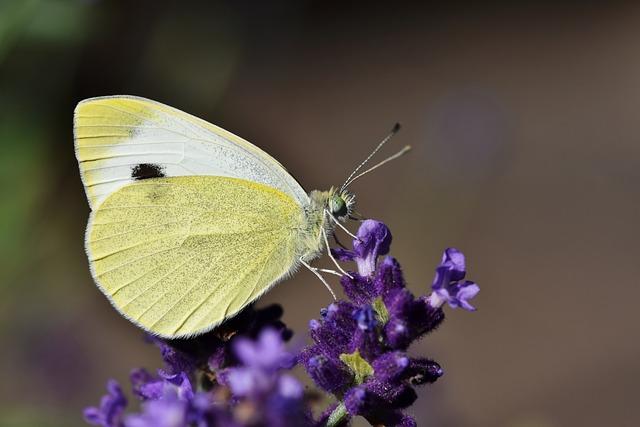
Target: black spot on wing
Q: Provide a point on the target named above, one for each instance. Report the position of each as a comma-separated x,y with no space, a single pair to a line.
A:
146,171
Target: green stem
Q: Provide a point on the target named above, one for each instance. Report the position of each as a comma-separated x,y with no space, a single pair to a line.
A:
338,416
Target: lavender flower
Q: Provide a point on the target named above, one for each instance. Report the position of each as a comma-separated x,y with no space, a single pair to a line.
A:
258,393
372,241
261,360
112,406
213,351
448,285
359,350
275,399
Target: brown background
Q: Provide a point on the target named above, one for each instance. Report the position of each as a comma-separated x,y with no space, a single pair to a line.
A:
524,122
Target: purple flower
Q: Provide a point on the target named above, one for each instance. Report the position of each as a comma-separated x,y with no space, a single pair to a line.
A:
448,285
214,349
140,378
359,346
423,371
328,373
112,405
174,410
259,393
374,239
260,360
175,360
168,412
276,399
267,353
148,387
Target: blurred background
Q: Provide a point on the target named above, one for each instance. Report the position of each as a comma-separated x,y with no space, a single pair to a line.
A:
524,118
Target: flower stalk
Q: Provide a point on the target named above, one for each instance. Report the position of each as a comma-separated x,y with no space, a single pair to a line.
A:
338,416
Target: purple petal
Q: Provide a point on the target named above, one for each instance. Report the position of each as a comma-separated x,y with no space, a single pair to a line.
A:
397,333
456,295
246,351
247,381
160,413
366,318
454,259
111,407
399,330
343,254
442,277
388,278
367,342
406,421
180,383
217,359
153,390
395,394
334,333
356,400
359,289
447,284
330,375
92,415
423,371
175,360
140,378
268,352
374,239
289,387
391,366
242,382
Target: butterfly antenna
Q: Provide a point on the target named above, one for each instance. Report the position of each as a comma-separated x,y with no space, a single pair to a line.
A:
405,150
386,139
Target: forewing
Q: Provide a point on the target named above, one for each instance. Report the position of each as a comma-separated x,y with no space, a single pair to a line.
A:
117,136
179,255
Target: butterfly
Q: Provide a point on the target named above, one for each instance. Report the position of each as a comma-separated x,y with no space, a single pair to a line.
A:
190,223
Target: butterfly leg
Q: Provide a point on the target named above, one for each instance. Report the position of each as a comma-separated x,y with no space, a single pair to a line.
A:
315,271
340,225
326,241
326,270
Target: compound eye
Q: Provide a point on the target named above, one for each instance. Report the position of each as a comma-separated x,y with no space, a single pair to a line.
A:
338,206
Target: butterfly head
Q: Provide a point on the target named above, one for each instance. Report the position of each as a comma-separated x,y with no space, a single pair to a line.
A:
340,203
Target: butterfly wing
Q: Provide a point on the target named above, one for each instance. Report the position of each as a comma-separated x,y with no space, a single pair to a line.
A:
118,137
179,255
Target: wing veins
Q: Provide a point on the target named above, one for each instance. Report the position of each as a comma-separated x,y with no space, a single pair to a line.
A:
184,320
133,261
197,282
129,144
138,206
190,289
182,123
145,273
123,155
238,281
109,181
158,281
135,230
261,274
119,135
133,114
252,232
131,247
